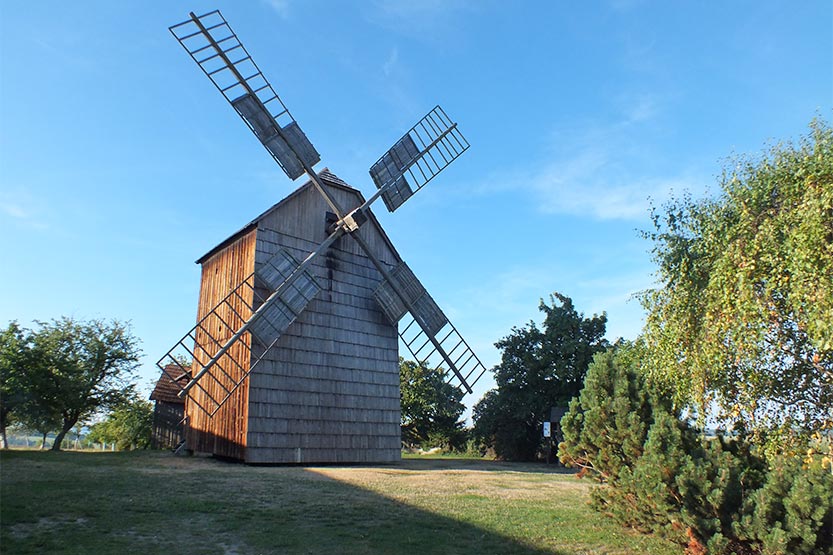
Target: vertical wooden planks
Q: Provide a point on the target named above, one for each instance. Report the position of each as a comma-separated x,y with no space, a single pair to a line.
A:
224,434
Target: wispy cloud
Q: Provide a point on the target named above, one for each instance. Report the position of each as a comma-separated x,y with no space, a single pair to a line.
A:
607,171
407,10
390,64
14,210
21,210
575,187
428,20
281,7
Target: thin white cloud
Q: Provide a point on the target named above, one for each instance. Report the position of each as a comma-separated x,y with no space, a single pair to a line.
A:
563,188
607,172
390,64
21,209
407,10
427,20
281,7
14,211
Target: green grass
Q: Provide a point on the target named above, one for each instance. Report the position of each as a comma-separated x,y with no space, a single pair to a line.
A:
151,503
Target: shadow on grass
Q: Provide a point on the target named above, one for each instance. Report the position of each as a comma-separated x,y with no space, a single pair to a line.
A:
427,463
156,503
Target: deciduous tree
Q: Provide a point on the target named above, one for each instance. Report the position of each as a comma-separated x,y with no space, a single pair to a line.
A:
431,407
540,368
79,368
14,349
744,314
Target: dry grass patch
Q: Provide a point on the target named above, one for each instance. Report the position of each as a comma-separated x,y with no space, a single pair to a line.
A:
68,503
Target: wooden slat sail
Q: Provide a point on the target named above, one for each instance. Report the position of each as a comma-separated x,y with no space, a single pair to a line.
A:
430,337
212,333
214,46
415,159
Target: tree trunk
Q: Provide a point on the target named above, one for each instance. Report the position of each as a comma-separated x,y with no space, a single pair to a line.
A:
68,425
3,417
43,441
56,445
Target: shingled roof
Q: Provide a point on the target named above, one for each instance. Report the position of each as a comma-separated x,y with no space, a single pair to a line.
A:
328,178
166,389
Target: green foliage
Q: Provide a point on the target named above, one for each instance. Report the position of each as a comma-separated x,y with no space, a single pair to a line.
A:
72,369
607,424
684,487
539,369
27,390
793,512
431,407
129,425
663,477
497,428
745,314
13,352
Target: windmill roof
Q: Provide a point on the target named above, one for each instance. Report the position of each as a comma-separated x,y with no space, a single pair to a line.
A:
166,388
330,179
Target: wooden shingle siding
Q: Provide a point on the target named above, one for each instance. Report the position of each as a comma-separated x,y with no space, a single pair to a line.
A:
283,415
329,389
300,455
224,434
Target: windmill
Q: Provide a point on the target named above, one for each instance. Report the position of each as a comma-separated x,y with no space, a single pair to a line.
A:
262,312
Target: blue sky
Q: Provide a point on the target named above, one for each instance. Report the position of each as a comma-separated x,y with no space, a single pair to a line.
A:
120,164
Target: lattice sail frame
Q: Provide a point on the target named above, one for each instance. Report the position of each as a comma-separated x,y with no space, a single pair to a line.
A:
421,154
415,159
215,48
448,346
210,390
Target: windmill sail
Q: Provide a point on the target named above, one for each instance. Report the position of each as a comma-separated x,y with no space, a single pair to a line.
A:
464,369
229,341
215,352
415,159
214,46
402,293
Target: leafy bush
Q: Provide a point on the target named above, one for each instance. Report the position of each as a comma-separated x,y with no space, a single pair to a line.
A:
540,368
685,487
129,425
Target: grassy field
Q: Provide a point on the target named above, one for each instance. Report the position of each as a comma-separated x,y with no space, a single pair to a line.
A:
146,502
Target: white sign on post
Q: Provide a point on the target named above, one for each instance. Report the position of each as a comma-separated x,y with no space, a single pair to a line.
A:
546,429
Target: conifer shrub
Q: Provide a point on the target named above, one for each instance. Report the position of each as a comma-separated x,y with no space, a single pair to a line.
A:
660,475
793,512
685,487
606,426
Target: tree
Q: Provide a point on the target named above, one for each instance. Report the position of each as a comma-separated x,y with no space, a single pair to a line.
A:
78,368
129,425
744,316
607,424
539,369
431,407
14,349
660,475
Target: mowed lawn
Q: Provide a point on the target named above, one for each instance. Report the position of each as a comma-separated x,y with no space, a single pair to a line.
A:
152,502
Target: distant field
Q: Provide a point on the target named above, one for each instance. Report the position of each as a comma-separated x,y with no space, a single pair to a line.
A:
150,502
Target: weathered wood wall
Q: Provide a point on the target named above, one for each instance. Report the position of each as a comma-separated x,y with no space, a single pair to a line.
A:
329,389
167,430
224,434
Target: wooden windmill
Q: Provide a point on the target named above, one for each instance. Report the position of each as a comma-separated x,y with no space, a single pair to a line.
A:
295,354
